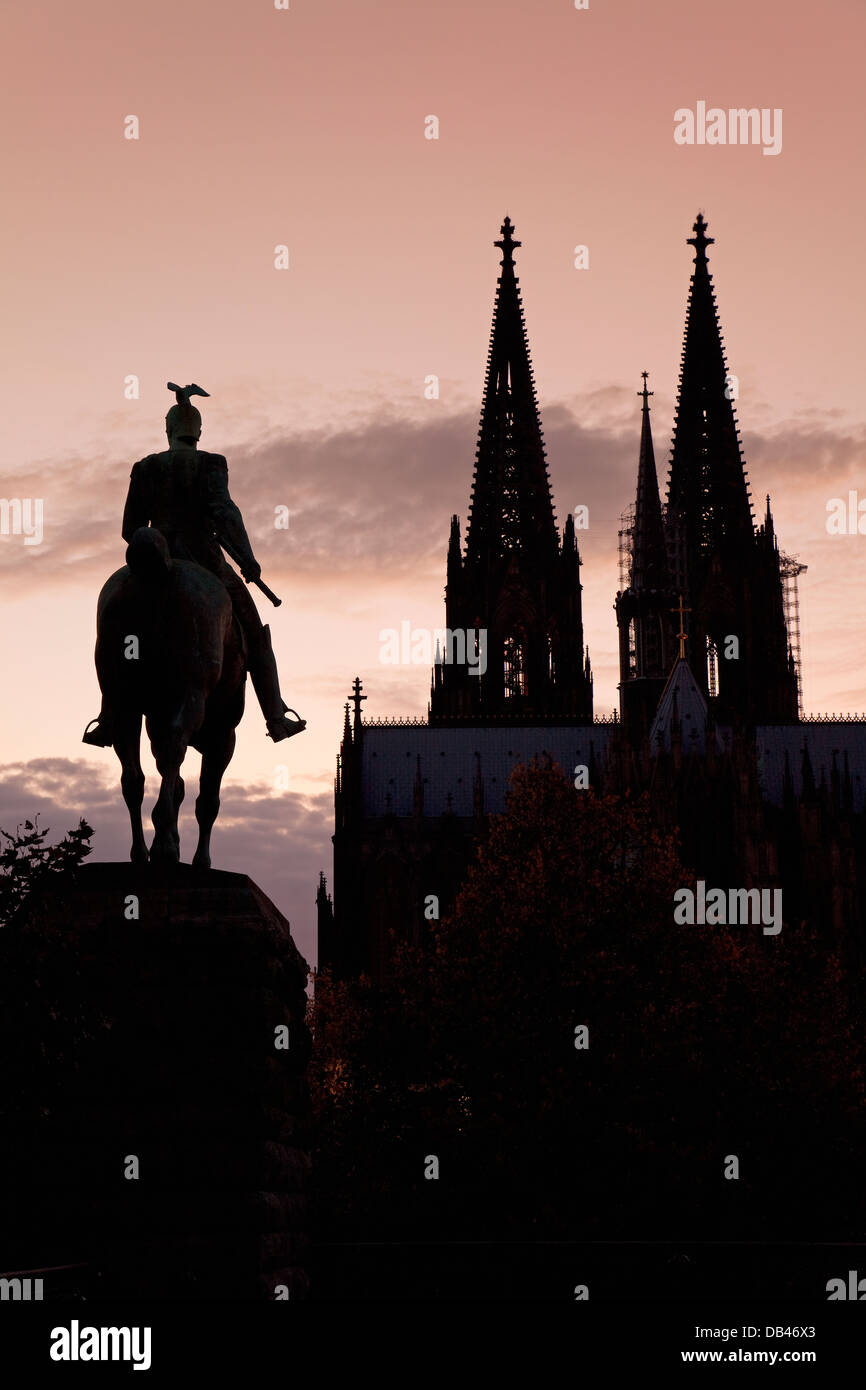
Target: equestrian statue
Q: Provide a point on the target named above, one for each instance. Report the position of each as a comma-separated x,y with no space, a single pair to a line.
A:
177,632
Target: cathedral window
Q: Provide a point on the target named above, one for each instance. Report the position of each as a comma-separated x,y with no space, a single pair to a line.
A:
514,667
712,667
632,649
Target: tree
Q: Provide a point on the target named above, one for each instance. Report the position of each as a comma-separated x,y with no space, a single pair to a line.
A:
702,1042
466,1044
27,861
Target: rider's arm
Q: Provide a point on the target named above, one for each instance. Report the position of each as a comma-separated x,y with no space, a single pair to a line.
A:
135,513
226,516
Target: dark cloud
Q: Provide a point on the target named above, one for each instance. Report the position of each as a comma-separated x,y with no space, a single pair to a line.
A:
373,498
807,451
280,841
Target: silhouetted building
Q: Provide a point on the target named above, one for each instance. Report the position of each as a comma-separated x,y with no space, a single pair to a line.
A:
518,582
709,679
705,547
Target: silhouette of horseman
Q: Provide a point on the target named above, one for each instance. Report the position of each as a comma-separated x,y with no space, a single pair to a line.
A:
183,493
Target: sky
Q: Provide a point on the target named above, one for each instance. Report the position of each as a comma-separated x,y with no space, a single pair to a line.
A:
129,262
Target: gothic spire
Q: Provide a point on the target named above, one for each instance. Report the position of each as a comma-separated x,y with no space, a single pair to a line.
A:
707,483
511,507
649,556
514,584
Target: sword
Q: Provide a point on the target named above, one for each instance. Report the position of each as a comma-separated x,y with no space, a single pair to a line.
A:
259,583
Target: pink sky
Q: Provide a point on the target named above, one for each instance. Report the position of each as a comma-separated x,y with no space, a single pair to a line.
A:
306,127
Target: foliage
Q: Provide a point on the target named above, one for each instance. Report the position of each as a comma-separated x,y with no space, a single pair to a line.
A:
27,861
704,1041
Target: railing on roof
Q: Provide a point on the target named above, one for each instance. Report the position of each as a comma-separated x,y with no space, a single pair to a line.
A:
398,721
833,719
476,721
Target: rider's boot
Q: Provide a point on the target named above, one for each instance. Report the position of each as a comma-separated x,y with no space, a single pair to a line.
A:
266,683
103,735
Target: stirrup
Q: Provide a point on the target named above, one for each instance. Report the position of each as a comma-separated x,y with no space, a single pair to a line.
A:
97,737
284,728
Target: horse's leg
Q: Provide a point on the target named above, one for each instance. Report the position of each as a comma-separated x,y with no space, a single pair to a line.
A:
126,746
169,741
179,790
168,753
216,756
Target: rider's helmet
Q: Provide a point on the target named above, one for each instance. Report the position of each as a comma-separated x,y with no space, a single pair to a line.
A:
183,421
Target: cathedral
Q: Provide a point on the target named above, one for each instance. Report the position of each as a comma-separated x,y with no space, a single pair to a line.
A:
710,721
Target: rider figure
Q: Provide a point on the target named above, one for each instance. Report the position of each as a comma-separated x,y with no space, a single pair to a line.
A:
183,492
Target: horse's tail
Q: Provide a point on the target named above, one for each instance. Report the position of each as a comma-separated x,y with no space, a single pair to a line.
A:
148,555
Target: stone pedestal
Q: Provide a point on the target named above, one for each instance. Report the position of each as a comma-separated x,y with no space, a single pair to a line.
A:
153,1127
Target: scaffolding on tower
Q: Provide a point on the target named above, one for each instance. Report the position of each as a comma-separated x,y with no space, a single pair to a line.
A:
626,547
790,568
626,556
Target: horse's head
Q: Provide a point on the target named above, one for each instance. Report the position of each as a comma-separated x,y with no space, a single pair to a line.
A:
148,555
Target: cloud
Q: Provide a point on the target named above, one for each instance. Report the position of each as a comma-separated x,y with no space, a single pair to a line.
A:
371,499
809,452
280,841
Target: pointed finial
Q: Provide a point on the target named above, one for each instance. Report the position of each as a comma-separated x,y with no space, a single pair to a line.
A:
700,241
507,243
682,634
357,697
645,393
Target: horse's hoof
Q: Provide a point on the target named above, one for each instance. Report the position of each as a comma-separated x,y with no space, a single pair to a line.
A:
201,861
138,854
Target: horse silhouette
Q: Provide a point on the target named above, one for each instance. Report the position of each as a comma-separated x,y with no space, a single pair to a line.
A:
169,650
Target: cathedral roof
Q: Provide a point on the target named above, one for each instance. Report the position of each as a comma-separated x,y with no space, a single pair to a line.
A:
451,759
778,745
682,709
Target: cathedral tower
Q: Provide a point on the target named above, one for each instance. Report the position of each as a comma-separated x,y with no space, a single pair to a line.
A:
728,572
512,599
644,610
